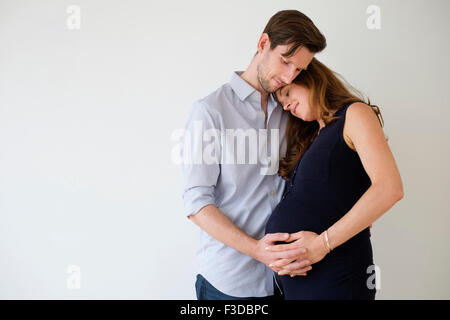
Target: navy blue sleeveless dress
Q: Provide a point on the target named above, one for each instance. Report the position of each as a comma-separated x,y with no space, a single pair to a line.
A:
325,184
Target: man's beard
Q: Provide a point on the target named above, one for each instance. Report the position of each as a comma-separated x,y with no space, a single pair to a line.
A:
265,84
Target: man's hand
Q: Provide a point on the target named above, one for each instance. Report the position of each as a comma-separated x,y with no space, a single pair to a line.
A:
294,265
271,257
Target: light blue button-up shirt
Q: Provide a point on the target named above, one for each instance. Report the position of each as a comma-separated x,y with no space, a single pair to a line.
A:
221,171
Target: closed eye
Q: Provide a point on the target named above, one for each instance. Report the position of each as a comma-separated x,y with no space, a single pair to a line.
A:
286,62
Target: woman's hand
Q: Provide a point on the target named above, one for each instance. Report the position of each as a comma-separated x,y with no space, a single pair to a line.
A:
315,247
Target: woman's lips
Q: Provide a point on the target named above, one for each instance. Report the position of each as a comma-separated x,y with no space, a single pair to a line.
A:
295,108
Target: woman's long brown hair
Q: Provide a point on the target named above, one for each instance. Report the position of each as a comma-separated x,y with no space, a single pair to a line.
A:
329,92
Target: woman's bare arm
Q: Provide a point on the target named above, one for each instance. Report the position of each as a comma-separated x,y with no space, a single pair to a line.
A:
367,136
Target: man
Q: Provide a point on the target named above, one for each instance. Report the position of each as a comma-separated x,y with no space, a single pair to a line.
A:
231,201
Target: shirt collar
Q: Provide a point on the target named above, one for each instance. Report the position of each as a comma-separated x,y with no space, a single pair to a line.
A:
243,89
240,86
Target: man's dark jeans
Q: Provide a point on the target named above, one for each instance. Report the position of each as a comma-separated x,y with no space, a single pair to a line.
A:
206,291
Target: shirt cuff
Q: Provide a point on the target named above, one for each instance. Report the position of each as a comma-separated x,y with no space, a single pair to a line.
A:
196,198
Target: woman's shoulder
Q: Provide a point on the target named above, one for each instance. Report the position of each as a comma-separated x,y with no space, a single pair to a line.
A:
360,118
358,105
360,112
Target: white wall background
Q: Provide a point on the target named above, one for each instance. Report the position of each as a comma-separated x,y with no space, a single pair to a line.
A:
86,116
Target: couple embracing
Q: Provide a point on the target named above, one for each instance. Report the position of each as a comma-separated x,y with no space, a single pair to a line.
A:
302,232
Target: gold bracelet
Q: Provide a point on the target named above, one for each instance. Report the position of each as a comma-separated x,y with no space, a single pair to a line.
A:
326,240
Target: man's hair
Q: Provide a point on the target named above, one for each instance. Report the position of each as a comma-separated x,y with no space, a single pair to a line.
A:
293,27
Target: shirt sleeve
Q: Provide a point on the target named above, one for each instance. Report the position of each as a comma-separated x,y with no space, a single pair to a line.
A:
200,176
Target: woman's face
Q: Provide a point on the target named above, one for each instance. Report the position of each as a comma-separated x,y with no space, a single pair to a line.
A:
295,99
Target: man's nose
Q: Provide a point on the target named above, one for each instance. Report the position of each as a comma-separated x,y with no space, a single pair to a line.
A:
288,76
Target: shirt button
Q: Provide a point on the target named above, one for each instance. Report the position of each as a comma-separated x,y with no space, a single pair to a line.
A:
272,193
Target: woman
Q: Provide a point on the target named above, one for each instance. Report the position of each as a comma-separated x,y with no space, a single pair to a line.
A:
341,177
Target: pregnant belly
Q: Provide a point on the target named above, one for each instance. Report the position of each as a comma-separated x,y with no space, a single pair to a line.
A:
300,213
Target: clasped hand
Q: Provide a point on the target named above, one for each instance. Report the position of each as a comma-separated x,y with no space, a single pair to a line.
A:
295,258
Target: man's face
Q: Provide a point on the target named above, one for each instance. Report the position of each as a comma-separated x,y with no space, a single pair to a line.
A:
276,71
